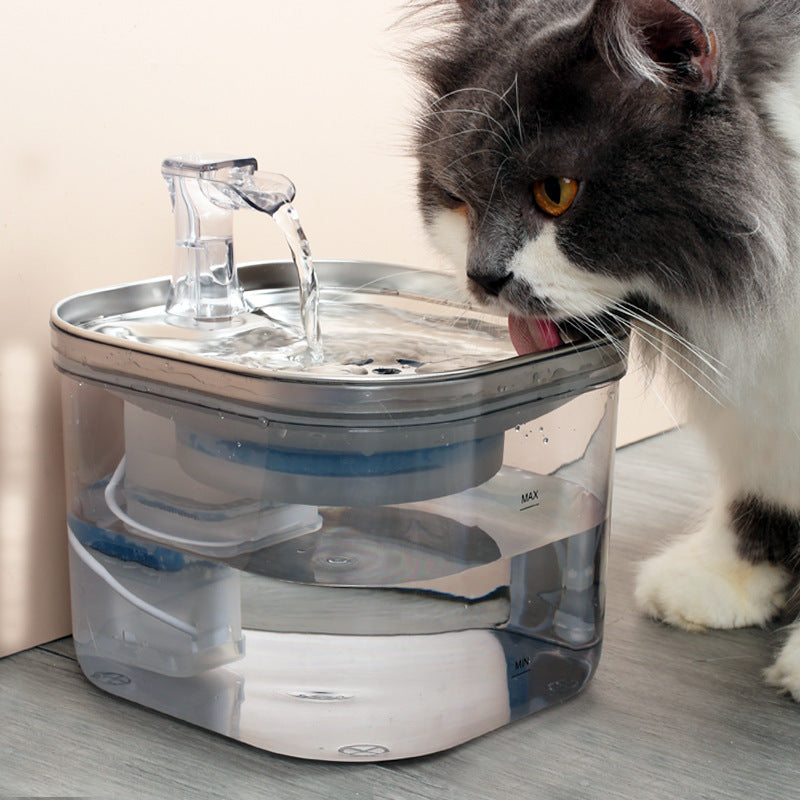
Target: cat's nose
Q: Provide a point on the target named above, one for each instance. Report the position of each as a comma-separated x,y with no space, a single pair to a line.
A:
490,282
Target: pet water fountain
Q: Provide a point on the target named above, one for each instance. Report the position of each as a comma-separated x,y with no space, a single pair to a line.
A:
371,546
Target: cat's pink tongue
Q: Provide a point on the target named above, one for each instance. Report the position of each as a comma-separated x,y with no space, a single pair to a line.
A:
531,335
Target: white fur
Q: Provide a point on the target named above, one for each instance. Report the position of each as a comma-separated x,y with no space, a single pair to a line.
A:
785,672
783,105
573,292
700,582
450,233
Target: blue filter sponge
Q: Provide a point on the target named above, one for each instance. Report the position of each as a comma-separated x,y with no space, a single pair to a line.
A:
339,464
125,549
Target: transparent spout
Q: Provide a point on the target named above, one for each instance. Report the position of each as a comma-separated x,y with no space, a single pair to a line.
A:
205,191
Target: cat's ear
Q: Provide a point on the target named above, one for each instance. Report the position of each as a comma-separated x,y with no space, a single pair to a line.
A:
658,40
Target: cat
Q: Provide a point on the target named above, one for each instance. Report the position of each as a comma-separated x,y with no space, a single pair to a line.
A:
594,160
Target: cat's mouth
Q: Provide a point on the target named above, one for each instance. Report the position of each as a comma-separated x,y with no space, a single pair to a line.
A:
535,324
533,335
539,334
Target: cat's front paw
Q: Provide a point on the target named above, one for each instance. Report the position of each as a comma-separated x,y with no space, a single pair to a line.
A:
700,582
785,672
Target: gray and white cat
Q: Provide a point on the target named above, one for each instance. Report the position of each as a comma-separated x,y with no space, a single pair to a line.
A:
595,159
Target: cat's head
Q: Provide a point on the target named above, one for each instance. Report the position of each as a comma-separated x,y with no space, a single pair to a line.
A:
578,157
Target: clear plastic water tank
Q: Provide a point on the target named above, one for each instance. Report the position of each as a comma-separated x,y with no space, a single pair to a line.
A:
373,564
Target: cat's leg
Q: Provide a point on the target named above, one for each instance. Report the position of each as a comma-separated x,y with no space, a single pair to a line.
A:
717,577
785,672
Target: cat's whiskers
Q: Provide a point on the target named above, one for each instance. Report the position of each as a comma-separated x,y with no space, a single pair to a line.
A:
515,86
701,368
677,358
491,194
490,92
591,330
464,156
464,132
668,272
655,322
707,377
454,135
502,134
519,114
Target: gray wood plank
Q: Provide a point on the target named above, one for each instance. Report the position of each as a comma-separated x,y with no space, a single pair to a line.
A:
61,736
669,714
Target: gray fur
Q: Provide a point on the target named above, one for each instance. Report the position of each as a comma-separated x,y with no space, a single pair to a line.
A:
675,182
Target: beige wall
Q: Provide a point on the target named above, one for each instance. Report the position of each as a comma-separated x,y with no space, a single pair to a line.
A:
94,96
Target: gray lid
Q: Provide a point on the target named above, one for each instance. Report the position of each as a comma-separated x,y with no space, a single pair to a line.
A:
298,397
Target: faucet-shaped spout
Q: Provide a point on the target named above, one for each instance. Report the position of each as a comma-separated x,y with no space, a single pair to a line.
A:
205,191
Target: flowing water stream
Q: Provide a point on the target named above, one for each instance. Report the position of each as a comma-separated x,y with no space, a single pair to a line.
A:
289,222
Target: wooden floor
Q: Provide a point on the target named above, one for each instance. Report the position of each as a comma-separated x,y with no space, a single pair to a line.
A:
668,715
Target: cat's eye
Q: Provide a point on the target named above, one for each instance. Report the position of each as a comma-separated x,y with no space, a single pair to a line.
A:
554,195
454,203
